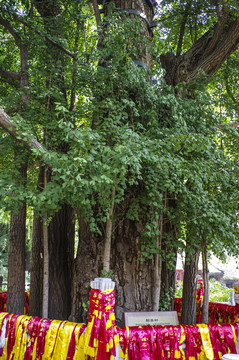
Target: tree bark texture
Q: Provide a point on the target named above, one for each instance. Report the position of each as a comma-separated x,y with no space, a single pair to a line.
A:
207,54
190,288
16,255
87,266
134,280
35,298
61,232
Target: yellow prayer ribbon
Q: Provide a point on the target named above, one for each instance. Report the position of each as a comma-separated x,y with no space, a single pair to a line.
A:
79,343
51,339
206,342
23,345
236,289
107,292
88,350
63,340
18,338
126,355
235,335
180,354
19,347
116,340
34,351
2,316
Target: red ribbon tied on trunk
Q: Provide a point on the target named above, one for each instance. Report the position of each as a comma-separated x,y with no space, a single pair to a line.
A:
101,331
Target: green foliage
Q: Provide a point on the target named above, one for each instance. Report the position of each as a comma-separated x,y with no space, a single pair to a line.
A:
86,306
107,274
179,289
218,292
197,17
165,299
4,238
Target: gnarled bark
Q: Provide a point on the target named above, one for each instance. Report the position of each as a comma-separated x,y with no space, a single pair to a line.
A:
35,299
206,55
61,232
190,287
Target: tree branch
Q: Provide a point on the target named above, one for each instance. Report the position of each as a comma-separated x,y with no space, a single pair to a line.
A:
28,142
182,29
8,26
222,18
10,75
187,66
97,12
227,46
232,125
57,45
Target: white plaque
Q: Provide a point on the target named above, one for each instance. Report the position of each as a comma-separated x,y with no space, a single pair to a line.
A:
164,318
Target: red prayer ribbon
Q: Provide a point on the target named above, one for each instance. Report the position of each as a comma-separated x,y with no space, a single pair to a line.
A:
3,302
101,325
138,343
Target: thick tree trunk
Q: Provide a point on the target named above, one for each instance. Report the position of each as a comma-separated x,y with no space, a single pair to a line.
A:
190,288
87,266
134,285
61,232
61,253
35,298
16,255
134,279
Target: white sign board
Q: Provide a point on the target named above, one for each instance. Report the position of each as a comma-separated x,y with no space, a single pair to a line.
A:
164,318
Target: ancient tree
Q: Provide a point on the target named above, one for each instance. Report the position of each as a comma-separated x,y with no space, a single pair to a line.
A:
117,116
